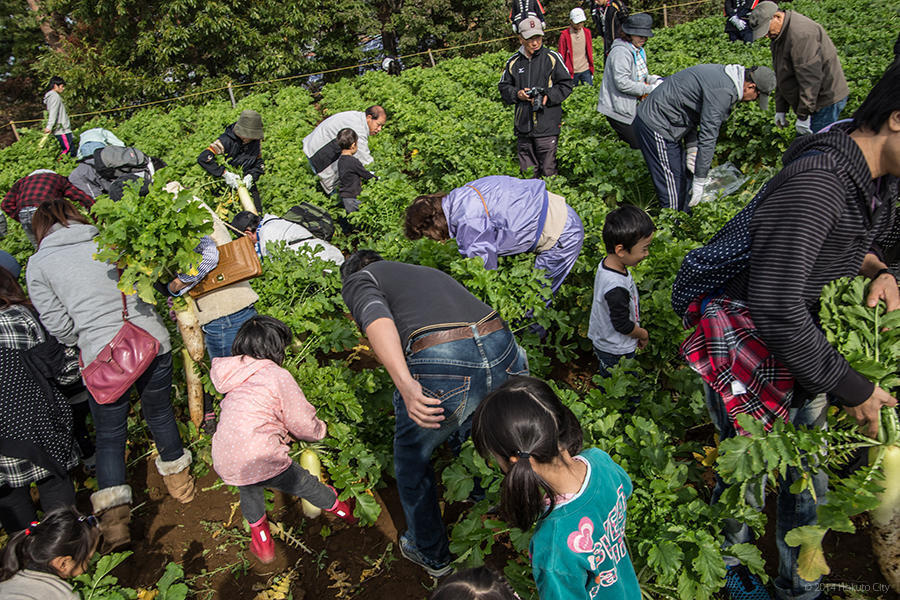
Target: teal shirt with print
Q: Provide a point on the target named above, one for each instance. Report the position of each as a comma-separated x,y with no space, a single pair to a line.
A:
578,550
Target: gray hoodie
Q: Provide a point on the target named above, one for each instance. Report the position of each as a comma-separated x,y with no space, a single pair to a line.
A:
692,105
77,297
57,117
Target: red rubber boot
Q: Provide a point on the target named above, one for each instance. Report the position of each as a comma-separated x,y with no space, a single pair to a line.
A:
341,508
261,544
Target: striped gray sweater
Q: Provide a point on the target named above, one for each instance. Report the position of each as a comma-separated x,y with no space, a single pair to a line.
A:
816,224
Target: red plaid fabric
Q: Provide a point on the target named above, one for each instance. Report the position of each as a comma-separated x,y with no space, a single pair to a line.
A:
34,190
727,352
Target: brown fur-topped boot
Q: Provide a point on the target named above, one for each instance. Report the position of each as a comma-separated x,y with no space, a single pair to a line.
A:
112,506
177,476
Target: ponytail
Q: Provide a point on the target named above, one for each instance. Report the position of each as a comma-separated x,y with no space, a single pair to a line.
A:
522,494
524,419
63,532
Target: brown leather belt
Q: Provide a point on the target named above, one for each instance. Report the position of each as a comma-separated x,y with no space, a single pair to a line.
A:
459,333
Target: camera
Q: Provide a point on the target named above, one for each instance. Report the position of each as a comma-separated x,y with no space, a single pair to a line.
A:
537,98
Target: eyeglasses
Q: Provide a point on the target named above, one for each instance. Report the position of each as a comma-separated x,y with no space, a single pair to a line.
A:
90,520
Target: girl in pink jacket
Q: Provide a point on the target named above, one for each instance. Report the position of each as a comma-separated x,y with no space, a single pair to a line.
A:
262,408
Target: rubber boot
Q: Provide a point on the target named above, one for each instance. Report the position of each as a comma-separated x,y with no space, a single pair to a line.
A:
177,476
261,544
112,506
341,508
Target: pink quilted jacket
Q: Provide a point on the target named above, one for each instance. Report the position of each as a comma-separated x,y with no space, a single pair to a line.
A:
263,405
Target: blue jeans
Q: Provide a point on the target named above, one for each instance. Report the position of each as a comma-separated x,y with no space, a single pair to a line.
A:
607,361
111,422
585,77
461,374
826,116
219,333
794,510
26,214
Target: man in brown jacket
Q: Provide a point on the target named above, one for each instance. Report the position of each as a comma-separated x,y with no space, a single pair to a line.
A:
809,75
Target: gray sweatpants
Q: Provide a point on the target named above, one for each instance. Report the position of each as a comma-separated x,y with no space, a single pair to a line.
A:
296,481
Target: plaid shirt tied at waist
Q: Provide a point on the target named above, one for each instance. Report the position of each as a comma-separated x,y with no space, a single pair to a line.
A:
726,350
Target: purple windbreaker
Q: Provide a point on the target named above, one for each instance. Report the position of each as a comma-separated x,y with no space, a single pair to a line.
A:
515,207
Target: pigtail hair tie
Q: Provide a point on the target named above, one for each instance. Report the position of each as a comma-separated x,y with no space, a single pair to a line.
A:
522,454
30,525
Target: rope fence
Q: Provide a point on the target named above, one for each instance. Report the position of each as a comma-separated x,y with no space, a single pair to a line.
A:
232,86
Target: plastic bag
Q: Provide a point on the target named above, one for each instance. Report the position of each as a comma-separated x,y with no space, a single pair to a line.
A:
724,180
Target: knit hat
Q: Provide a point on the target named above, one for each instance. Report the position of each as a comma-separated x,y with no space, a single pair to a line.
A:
760,17
639,24
576,15
530,27
249,125
9,262
764,78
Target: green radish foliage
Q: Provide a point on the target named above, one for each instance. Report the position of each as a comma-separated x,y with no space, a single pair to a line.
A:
446,126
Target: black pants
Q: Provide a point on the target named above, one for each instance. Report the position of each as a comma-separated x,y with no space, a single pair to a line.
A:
537,153
625,132
17,509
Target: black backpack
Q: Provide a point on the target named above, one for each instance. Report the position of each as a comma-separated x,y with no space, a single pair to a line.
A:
314,218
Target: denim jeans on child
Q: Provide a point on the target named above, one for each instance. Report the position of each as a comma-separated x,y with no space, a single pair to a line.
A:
461,373
607,361
585,77
219,333
111,422
295,481
794,510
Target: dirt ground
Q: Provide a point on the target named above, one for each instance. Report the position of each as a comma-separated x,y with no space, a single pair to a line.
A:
329,559
332,560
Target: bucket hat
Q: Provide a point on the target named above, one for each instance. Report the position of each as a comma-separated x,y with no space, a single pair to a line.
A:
9,262
639,24
249,125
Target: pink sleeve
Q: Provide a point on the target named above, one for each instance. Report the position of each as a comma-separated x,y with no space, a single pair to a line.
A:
298,414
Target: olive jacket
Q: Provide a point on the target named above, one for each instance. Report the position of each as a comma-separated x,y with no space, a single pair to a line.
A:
808,72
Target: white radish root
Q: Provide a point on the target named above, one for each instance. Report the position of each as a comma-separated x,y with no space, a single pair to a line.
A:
194,388
189,328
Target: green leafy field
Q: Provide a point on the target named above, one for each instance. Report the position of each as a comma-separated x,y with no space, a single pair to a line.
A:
447,126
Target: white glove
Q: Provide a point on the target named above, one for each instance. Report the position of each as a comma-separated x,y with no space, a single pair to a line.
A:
697,190
653,79
780,119
690,159
231,179
803,127
656,84
248,181
738,22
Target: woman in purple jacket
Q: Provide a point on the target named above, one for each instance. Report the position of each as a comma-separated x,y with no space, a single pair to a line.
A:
500,216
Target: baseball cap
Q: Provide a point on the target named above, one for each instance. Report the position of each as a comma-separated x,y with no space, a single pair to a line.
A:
760,17
531,27
764,78
576,15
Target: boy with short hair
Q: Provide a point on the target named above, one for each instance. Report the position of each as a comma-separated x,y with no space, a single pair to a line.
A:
351,173
614,327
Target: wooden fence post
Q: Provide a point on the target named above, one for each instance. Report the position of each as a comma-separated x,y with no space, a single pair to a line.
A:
15,133
431,56
231,95
665,16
